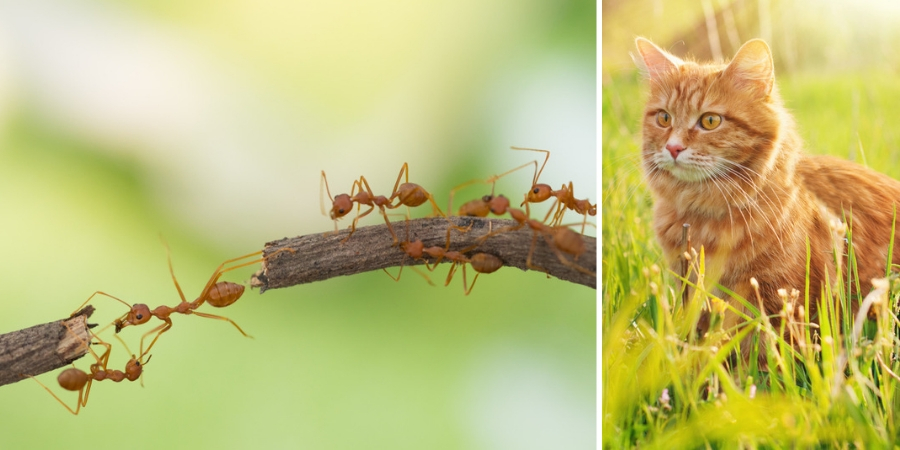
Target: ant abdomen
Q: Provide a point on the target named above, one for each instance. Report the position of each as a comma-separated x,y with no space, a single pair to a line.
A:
485,263
224,293
72,379
411,194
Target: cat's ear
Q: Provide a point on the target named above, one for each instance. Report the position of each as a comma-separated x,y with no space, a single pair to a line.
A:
654,60
752,68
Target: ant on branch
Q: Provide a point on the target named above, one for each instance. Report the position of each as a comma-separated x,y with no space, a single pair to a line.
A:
480,262
343,203
560,238
407,194
565,196
74,379
481,207
217,293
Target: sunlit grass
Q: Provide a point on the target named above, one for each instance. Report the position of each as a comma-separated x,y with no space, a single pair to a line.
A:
666,387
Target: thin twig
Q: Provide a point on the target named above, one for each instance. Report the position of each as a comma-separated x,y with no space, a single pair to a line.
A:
43,348
317,257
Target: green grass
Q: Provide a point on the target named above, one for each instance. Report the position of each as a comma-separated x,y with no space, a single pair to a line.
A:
663,386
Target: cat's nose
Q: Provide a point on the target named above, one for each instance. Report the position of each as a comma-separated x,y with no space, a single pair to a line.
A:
674,149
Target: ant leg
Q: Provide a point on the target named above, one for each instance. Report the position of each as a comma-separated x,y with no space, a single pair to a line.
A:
452,271
397,278
453,192
356,219
422,274
404,169
219,271
388,223
73,411
101,293
493,179
381,207
471,286
213,316
528,263
434,206
554,210
537,173
324,182
159,331
171,270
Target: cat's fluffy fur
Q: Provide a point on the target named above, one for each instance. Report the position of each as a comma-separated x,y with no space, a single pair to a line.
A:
750,194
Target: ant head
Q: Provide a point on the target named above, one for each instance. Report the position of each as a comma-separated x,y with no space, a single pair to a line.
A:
499,204
140,313
72,379
341,206
134,368
487,198
538,193
413,249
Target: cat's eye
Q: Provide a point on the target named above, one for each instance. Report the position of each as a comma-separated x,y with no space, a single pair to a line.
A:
710,121
663,119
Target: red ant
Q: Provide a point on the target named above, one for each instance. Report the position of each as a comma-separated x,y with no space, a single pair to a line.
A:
74,379
565,196
343,203
217,293
408,194
480,262
561,239
481,207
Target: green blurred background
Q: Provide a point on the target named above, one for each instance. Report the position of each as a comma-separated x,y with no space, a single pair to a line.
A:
208,123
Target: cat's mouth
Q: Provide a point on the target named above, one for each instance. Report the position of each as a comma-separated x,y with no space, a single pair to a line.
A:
685,172
682,168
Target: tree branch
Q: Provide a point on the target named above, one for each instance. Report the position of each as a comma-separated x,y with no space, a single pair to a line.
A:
317,257
43,348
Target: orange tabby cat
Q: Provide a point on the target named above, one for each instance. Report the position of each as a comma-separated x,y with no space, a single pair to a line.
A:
722,154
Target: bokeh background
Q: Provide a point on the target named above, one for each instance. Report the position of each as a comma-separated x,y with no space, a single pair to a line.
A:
208,123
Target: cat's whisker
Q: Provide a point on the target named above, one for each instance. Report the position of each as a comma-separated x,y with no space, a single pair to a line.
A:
760,194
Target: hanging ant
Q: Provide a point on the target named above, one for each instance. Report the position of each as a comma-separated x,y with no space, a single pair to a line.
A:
74,379
561,239
480,262
565,196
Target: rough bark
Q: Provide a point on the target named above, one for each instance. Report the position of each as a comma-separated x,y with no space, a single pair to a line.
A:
43,348
317,257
